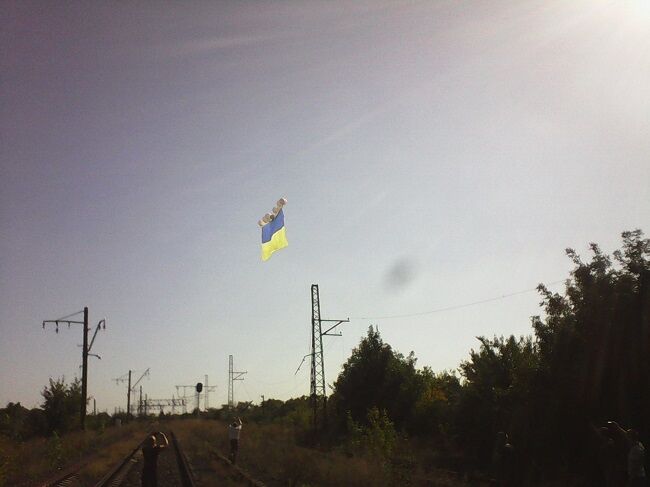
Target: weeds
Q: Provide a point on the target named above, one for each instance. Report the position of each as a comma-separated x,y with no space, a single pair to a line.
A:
376,455
55,451
38,458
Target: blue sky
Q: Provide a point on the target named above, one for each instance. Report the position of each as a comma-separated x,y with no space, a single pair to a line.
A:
432,153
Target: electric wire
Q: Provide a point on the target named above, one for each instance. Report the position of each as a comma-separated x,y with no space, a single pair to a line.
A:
248,394
458,306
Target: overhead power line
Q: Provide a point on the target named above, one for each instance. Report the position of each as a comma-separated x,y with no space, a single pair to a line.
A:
458,306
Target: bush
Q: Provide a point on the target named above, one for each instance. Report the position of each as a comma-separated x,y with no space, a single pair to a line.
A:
62,405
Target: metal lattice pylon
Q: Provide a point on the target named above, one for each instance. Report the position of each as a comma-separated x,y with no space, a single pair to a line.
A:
318,393
232,377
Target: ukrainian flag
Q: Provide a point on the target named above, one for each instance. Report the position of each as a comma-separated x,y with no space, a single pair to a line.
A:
274,236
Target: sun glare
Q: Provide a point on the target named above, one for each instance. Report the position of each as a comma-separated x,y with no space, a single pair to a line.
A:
638,8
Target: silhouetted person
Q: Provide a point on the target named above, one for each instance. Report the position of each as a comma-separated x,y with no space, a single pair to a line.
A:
503,461
234,430
635,460
151,448
602,462
633,454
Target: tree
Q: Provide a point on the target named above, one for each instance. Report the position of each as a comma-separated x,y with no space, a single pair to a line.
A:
436,405
375,376
61,405
21,423
594,343
12,420
495,393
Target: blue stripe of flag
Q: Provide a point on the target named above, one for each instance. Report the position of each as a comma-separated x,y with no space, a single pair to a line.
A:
270,228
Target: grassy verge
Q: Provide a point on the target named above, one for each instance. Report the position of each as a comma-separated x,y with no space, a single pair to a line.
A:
270,453
24,464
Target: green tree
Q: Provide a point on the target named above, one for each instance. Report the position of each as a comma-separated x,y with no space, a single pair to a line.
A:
375,376
594,344
12,420
61,405
436,405
377,438
20,423
495,393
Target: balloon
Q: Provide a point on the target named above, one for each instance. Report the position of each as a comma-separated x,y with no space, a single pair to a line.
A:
271,216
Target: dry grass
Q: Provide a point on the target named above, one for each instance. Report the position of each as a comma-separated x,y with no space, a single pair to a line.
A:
270,454
24,464
112,452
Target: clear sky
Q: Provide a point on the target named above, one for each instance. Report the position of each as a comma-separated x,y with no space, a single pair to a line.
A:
433,153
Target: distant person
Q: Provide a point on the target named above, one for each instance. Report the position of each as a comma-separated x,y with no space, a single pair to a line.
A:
234,430
151,448
634,454
503,461
603,468
635,460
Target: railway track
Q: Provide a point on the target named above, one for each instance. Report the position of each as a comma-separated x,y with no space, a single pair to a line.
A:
173,471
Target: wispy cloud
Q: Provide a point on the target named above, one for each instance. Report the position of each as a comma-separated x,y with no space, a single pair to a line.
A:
218,43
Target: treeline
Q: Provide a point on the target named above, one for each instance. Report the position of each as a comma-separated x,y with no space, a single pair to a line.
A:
59,413
587,363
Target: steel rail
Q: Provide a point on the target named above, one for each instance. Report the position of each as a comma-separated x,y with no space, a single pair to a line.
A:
64,479
116,475
187,476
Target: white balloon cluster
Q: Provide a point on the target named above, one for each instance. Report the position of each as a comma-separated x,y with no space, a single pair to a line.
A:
274,212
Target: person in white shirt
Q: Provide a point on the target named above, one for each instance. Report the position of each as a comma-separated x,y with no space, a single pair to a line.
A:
234,430
635,460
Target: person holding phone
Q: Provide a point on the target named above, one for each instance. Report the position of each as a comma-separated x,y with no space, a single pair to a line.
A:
234,430
152,447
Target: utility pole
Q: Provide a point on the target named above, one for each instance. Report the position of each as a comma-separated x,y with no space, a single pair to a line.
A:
176,402
84,354
232,377
128,397
318,393
199,388
84,371
131,388
207,389
185,396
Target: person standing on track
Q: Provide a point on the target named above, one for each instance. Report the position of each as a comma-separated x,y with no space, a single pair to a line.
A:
151,448
234,430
